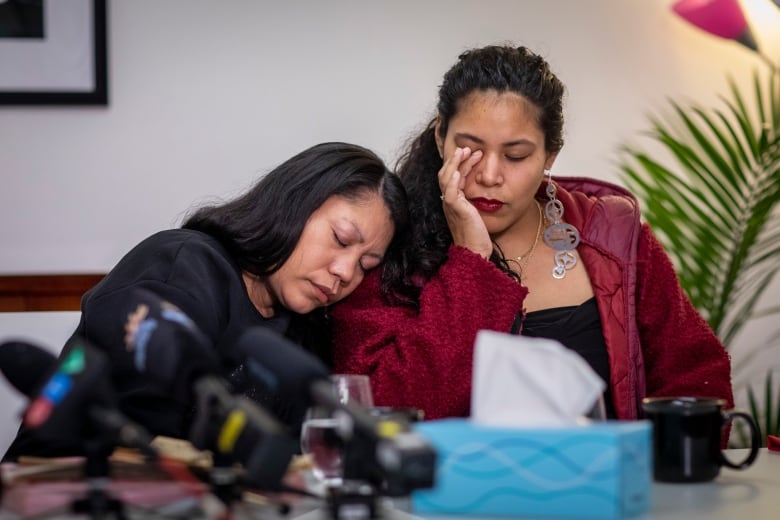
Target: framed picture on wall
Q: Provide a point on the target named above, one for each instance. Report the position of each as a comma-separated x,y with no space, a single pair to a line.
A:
53,52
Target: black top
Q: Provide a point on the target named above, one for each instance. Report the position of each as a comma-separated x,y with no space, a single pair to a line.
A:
579,329
194,272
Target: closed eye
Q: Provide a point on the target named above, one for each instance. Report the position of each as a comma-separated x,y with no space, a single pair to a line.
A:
515,158
369,263
339,241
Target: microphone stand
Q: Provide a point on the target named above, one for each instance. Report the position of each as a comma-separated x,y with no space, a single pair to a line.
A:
352,500
357,496
105,429
392,465
98,503
223,480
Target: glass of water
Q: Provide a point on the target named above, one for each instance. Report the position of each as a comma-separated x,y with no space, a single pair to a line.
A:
320,439
320,433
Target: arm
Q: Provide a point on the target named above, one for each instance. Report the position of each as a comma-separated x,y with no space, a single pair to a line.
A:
189,274
682,355
152,265
425,360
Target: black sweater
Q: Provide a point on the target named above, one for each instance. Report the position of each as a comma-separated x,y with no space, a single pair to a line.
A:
194,272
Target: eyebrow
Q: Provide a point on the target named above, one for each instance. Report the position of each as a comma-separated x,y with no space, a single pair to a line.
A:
357,230
362,240
465,135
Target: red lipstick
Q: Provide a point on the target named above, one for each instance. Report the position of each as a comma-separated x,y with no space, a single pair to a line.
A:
487,205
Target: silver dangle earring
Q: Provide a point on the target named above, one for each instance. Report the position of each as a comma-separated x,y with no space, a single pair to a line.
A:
563,238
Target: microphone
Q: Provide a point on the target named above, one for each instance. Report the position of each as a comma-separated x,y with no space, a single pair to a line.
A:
25,365
168,347
73,402
71,398
286,369
384,451
235,427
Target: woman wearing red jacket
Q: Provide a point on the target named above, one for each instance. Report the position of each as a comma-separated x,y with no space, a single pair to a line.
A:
500,244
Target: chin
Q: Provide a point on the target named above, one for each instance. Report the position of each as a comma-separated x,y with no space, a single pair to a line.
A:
492,222
494,227
306,307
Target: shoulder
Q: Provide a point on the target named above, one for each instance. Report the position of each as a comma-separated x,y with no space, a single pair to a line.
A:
177,238
175,257
607,215
177,246
650,248
587,198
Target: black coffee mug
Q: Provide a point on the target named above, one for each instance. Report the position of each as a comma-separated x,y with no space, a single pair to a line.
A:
687,437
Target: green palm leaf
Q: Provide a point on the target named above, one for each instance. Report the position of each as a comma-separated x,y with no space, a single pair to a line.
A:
714,205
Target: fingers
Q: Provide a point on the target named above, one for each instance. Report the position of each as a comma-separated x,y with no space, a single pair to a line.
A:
466,225
455,169
469,161
451,190
449,167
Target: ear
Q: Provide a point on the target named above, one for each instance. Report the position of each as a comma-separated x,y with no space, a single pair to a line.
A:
437,137
548,162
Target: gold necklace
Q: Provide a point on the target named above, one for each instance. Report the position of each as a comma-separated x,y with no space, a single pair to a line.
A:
522,260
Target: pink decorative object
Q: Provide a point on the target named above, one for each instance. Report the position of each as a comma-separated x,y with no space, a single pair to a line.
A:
723,18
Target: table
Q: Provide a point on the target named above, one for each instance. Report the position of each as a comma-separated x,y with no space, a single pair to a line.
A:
753,493
734,495
749,494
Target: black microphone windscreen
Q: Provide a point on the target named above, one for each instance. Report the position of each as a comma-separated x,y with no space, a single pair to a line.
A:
75,383
279,365
167,345
25,365
68,394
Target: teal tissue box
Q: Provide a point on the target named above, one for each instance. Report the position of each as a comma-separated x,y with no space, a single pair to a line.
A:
603,470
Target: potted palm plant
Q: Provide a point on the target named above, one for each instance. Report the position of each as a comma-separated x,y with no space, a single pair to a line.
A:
713,202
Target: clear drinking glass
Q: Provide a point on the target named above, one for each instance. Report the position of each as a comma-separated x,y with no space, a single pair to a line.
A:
599,410
321,441
320,431
353,388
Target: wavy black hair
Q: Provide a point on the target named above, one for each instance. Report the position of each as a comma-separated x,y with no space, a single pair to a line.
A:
500,68
261,228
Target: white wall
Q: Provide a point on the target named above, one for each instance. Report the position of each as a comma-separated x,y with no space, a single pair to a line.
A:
205,95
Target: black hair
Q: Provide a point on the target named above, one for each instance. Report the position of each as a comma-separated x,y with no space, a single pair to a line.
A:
500,68
261,228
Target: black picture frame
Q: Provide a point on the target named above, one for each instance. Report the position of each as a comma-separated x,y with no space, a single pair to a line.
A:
95,90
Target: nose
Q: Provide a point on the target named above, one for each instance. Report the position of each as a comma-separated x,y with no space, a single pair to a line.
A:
344,268
489,171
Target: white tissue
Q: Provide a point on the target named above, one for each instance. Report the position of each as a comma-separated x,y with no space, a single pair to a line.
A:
530,382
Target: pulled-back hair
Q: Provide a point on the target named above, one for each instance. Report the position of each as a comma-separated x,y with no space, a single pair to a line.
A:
492,68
